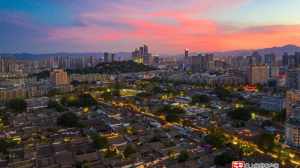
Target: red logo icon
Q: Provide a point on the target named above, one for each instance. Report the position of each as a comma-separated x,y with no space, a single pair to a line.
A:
238,164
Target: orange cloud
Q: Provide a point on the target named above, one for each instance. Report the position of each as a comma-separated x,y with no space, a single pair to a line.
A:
172,30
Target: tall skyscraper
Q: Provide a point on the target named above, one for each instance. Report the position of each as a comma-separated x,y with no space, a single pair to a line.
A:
206,61
292,98
255,58
297,59
8,65
292,132
285,59
186,54
142,55
270,59
109,57
59,77
259,74
293,78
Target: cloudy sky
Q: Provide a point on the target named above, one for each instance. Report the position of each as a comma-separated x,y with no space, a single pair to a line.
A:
167,26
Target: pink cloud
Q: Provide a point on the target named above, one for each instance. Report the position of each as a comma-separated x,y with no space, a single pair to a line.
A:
174,28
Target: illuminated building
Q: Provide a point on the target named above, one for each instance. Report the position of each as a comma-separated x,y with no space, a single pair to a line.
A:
250,88
293,79
186,53
292,132
270,59
292,97
141,55
259,74
59,77
255,59
272,103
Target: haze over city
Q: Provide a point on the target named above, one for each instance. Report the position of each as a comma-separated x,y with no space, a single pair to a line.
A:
168,26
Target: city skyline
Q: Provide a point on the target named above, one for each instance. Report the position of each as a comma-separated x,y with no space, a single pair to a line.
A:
168,26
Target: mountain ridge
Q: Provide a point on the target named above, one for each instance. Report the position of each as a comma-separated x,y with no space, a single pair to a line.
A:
277,50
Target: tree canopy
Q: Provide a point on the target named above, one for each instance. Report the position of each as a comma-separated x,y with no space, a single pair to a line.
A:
222,93
266,141
200,99
217,139
56,105
99,142
68,119
243,114
114,68
172,113
183,156
225,158
83,100
129,150
17,105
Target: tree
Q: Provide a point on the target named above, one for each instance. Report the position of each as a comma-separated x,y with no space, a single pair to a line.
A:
224,158
200,99
222,93
280,116
82,164
70,101
172,113
107,95
172,118
156,90
129,150
54,92
68,119
17,105
5,144
86,100
216,139
41,75
243,114
99,142
169,109
183,156
56,105
110,153
266,141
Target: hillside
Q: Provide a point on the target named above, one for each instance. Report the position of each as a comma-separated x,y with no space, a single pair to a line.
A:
114,68
278,51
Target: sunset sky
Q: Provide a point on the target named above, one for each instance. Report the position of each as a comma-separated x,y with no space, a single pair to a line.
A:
167,26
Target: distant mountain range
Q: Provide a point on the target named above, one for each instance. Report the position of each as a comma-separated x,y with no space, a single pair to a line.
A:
29,56
278,51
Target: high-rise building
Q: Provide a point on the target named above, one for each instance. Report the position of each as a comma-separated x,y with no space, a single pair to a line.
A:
59,77
270,59
255,59
109,57
207,61
259,74
186,54
292,98
274,72
142,55
2,65
8,65
285,59
293,79
292,132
